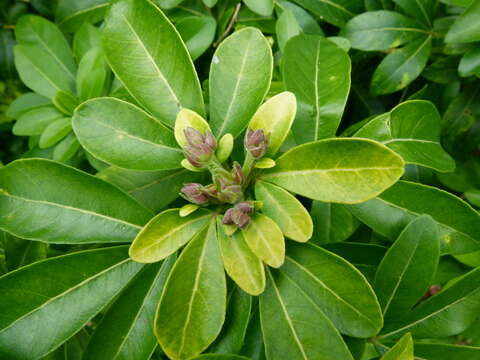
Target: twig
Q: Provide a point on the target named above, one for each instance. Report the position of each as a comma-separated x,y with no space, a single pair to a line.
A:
230,25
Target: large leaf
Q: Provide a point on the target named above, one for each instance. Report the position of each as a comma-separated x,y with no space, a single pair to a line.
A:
294,327
283,208
192,308
40,71
240,77
349,303
33,30
331,222
401,67
335,12
459,224
122,134
339,170
412,129
318,73
147,54
423,10
241,264
71,14
51,202
57,297
380,30
408,268
467,27
125,331
455,307
165,233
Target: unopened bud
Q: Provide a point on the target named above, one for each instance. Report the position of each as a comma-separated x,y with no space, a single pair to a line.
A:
200,147
194,193
256,143
237,173
238,215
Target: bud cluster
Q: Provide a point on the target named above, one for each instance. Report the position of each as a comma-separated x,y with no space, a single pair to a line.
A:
256,143
239,214
200,147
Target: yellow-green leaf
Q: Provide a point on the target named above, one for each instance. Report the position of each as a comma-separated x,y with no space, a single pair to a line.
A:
188,118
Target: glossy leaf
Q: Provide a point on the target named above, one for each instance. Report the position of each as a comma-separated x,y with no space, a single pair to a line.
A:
240,76
331,222
446,351
467,27
71,15
401,67
407,270
380,30
339,170
402,350
261,7
157,56
166,233
58,296
292,322
122,134
47,201
283,208
86,38
455,307
350,304
192,308
125,330
265,239
459,225
241,264
275,117
334,12
321,87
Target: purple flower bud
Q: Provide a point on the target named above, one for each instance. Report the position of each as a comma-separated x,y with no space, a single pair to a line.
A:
230,194
238,215
227,218
245,206
194,193
256,143
201,147
237,173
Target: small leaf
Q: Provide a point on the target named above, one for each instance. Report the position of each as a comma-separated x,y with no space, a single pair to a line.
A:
91,74
186,210
403,349
260,7
194,299
283,208
166,233
336,13
241,264
66,148
188,118
224,148
122,134
35,121
26,102
331,223
265,239
55,132
86,38
71,14
286,27
240,76
65,102
340,170
265,163
275,118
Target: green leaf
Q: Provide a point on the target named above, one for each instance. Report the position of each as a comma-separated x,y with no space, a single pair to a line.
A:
19,252
26,102
187,118
455,307
350,304
125,330
58,297
65,102
39,71
240,76
292,322
446,351
169,4
380,30
55,132
321,87
467,27
412,129
283,208
198,33
403,349
260,7
241,264
407,270
46,201
35,121
307,22
286,27
91,74
401,67
151,75
71,14
66,148
33,30
331,223
220,357
423,10
339,170
275,117
459,224
86,38
473,196
166,233
192,308
234,329
153,189
265,239
470,63
122,134
334,12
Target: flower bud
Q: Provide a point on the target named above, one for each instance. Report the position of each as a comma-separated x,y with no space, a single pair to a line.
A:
200,147
237,174
256,143
194,193
238,215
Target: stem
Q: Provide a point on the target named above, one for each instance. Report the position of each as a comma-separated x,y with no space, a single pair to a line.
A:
247,167
233,20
